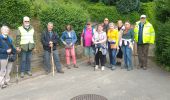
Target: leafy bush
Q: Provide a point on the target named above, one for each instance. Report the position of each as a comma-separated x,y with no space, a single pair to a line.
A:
163,44
127,6
12,12
99,11
61,15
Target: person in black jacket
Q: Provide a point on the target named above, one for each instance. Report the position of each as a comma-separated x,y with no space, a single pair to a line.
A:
7,56
49,40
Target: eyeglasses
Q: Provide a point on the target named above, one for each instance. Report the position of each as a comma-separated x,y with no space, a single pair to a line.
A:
26,21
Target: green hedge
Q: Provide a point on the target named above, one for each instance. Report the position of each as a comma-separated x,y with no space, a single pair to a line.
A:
163,44
99,11
12,12
61,15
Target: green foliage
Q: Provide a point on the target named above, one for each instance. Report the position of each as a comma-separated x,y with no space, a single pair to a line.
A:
163,10
163,43
98,12
127,6
149,10
12,12
61,15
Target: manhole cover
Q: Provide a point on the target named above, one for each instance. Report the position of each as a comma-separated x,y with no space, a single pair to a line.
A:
89,97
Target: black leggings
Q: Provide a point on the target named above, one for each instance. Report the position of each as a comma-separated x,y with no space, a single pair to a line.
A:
100,57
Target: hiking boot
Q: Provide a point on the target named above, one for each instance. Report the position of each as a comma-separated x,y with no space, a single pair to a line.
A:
102,68
68,67
29,73
60,71
144,68
75,66
22,74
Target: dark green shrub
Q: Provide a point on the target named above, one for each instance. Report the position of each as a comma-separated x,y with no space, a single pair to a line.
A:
12,12
127,6
61,15
163,44
98,12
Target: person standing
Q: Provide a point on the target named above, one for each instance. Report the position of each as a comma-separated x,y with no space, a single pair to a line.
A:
69,39
127,45
49,39
25,43
99,39
121,28
106,25
144,35
86,41
113,37
7,56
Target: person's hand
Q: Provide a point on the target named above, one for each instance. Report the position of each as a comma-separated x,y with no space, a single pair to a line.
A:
9,51
71,44
118,48
50,42
51,45
18,49
64,43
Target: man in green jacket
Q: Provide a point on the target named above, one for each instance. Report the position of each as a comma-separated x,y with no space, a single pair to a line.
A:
25,43
144,35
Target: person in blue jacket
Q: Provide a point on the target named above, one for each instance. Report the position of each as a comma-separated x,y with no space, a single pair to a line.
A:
69,39
7,56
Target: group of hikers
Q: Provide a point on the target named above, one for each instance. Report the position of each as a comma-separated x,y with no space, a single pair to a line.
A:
116,39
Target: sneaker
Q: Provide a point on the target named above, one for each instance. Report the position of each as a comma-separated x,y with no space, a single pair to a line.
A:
22,74
113,67
75,66
3,86
144,68
96,67
102,68
29,73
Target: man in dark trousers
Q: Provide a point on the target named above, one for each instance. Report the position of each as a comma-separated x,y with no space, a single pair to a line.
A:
49,39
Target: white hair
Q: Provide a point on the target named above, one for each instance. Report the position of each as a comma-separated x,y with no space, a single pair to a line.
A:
26,18
50,23
3,28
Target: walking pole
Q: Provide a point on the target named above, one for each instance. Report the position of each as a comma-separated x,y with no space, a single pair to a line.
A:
17,66
52,60
134,54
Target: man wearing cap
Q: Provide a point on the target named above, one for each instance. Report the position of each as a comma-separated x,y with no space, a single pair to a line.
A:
25,43
144,35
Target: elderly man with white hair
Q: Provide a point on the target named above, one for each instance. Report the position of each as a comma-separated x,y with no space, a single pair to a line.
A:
6,50
25,43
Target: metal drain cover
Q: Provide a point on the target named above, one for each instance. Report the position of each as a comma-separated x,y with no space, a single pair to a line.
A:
89,97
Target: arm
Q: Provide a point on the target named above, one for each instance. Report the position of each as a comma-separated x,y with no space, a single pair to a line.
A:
62,38
117,38
152,34
43,39
82,35
74,38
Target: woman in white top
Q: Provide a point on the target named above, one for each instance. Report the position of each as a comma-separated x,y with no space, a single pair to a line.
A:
99,39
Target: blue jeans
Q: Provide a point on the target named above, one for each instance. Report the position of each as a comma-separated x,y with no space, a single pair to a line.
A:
25,61
47,57
112,55
127,53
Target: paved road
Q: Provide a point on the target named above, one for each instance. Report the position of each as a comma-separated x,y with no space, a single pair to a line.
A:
152,84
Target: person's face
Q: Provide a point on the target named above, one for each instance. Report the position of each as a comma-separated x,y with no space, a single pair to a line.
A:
143,20
100,28
106,21
50,27
119,23
5,31
26,22
88,26
127,25
68,27
111,27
